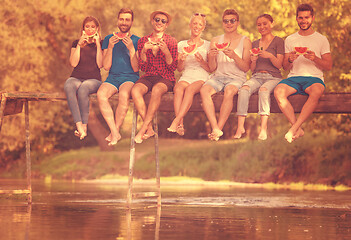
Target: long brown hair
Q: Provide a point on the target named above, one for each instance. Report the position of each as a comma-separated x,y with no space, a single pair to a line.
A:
90,19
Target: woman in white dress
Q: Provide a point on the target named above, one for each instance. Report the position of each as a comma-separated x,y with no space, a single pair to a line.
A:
195,71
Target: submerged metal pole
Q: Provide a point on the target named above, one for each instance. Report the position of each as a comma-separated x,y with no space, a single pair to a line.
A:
28,160
157,162
132,157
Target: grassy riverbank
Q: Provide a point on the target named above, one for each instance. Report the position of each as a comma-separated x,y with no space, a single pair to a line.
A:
313,159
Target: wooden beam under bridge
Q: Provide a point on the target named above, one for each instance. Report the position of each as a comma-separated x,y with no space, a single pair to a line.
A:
12,103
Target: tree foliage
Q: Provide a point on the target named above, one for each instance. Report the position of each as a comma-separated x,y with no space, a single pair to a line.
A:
37,35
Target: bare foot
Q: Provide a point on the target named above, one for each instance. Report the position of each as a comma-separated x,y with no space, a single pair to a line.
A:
216,134
299,133
290,136
239,133
262,135
180,130
114,140
108,138
149,133
171,130
81,135
138,139
173,127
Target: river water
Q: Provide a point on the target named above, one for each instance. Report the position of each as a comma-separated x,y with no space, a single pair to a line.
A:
72,211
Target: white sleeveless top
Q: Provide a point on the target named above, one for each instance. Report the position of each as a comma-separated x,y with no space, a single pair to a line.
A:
226,66
192,68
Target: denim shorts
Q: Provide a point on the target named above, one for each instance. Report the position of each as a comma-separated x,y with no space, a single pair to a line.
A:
300,83
220,83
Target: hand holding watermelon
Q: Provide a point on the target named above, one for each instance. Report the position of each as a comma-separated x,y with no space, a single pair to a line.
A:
190,49
222,46
199,58
182,56
163,47
310,55
301,50
255,51
128,42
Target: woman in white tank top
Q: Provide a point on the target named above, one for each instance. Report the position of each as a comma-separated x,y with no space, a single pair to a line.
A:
195,71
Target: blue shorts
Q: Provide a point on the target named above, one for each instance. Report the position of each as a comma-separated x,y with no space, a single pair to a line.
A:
118,81
301,83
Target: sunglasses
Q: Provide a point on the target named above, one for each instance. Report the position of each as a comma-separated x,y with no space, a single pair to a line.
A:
164,21
232,21
199,14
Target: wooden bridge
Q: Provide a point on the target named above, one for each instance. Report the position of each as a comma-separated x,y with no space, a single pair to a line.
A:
12,103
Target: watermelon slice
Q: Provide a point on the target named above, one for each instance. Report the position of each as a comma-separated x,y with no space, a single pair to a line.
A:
190,49
301,50
222,46
91,35
120,35
255,51
155,41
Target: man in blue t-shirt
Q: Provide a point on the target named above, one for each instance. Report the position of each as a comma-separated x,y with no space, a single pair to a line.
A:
120,59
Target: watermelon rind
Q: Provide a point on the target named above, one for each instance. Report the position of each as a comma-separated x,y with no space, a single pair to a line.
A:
117,34
190,49
222,46
90,36
255,51
299,50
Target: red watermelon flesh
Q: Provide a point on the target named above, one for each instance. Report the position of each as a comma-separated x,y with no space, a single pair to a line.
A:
91,35
222,46
190,49
255,51
120,35
301,50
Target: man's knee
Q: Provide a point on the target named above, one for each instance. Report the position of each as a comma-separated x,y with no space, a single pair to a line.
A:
230,91
280,92
101,95
123,96
315,91
244,89
136,91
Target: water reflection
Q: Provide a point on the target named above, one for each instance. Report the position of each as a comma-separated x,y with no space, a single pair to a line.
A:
72,211
153,220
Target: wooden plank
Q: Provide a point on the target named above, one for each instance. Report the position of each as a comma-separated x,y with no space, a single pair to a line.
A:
329,102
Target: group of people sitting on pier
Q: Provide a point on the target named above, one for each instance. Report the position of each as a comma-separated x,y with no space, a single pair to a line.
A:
207,68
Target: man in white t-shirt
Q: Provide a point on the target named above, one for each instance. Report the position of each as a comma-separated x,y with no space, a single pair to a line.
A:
306,70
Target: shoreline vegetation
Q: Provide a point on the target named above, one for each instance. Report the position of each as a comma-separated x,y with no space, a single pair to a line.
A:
314,162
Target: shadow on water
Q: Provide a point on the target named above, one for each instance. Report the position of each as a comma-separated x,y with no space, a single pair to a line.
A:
98,211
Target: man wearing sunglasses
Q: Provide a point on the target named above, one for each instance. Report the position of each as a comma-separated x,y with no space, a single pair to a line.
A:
306,70
229,66
158,54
